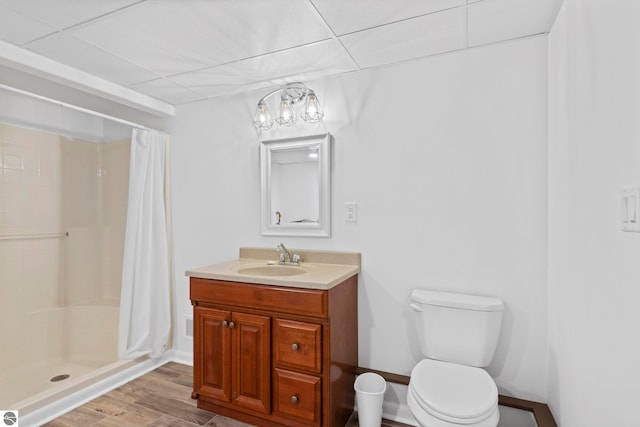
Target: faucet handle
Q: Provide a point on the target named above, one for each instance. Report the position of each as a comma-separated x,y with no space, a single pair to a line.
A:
296,258
281,257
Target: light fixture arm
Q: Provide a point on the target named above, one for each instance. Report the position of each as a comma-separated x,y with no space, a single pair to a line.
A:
295,92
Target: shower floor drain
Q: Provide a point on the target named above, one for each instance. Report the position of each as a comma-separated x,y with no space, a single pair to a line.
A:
61,377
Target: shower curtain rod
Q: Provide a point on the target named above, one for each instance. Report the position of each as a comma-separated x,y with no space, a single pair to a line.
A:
74,107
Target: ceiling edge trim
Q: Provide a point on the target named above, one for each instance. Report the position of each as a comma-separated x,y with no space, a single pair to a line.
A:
32,63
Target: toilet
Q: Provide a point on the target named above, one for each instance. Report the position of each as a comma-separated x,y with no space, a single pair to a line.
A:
458,334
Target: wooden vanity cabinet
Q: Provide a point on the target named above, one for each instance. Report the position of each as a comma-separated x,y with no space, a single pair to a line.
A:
275,355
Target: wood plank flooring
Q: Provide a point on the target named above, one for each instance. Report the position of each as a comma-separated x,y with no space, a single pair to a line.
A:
160,398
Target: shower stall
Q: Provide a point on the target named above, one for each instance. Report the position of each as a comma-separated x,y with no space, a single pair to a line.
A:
63,201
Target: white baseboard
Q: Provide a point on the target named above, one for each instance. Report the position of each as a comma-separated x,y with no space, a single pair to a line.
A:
395,407
183,357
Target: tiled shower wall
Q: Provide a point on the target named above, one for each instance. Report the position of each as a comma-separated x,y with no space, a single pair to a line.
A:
50,184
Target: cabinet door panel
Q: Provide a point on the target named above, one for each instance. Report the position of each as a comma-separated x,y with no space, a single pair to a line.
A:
212,354
251,341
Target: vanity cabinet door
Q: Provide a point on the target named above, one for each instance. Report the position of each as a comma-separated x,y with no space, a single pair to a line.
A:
251,352
212,353
232,358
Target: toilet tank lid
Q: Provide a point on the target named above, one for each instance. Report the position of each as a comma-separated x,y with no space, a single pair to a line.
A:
462,301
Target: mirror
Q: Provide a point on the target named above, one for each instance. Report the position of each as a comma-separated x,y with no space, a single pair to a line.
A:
296,189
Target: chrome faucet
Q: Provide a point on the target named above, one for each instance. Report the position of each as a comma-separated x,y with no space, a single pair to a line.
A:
285,257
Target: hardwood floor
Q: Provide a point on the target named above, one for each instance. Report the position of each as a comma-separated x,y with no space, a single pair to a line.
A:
158,399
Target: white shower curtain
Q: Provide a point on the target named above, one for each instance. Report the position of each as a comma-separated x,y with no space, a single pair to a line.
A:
145,310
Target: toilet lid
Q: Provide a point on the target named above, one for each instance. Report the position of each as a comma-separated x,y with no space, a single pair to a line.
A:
453,392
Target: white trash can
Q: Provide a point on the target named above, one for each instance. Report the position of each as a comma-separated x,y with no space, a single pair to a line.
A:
370,388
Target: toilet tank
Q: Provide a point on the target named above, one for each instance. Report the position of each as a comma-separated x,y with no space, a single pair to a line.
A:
457,328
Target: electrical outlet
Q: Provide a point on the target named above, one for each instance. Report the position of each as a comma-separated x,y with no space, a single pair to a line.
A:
350,212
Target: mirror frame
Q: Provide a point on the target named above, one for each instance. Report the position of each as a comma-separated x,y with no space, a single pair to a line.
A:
322,228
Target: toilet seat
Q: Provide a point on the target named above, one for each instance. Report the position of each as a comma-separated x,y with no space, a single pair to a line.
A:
453,393
425,419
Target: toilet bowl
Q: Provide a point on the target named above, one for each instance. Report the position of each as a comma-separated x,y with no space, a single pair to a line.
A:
443,394
458,334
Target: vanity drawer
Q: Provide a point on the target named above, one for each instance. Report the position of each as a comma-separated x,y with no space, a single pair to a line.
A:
298,345
306,302
297,396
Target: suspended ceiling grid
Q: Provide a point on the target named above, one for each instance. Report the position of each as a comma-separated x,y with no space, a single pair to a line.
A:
180,51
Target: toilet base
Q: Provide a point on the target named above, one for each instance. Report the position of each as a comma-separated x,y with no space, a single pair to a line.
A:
425,419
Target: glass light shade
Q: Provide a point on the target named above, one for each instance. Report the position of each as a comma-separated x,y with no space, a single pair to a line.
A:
262,119
286,116
312,112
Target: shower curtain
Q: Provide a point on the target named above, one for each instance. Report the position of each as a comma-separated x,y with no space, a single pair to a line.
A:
145,310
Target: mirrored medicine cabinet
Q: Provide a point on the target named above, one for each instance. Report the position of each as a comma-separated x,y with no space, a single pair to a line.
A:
296,188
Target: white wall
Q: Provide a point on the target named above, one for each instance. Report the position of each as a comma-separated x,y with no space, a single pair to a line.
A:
594,152
446,158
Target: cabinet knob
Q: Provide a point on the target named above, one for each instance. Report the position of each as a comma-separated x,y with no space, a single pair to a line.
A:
294,399
295,347
224,323
232,325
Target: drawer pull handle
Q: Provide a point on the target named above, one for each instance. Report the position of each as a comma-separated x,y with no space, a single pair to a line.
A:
225,323
232,325
294,399
295,347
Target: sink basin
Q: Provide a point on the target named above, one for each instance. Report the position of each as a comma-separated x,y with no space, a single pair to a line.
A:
272,270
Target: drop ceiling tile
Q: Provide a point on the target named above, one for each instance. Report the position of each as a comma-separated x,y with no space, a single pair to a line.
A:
255,27
64,13
301,63
142,44
183,36
18,29
496,20
353,15
167,91
68,50
414,38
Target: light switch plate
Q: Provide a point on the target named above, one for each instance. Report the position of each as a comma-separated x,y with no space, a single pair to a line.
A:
630,209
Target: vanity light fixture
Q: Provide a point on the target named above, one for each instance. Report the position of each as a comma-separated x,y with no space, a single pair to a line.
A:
290,95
